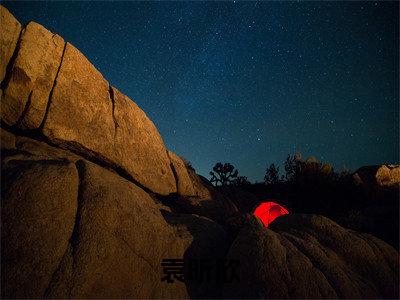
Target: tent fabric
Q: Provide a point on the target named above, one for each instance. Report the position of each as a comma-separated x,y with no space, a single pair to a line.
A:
267,212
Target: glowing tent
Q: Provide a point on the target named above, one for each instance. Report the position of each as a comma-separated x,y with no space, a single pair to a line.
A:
269,211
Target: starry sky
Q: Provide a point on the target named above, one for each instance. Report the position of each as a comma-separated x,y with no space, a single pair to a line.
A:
247,82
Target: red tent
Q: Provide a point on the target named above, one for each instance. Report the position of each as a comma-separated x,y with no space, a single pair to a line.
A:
269,211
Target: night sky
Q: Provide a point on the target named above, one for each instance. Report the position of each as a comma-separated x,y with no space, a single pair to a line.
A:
248,82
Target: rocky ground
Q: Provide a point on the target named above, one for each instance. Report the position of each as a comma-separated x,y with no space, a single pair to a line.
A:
92,201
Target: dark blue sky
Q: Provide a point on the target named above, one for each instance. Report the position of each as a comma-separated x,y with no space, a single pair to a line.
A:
248,82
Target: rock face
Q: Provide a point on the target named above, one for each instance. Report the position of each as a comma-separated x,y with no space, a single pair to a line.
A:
139,146
184,182
113,246
210,208
32,76
308,256
202,187
51,87
10,30
71,228
209,242
81,93
37,218
105,125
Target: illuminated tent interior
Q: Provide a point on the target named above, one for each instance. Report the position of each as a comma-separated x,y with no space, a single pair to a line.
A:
267,212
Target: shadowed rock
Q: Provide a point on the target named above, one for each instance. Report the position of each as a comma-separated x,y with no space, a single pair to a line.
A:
208,243
379,183
78,230
309,256
96,235
384,176
7,140
113,251
38,208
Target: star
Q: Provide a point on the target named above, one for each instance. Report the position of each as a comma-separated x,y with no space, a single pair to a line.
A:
248,81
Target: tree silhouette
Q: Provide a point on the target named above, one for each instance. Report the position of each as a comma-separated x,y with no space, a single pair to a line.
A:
272,175
241,181
224,174
292,166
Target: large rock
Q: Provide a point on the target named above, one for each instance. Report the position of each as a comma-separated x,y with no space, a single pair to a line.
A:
388,176
38,208
209,243
9,33
118,246
383,176
202,187
94,235
380,184
14,147
209,208
32,77
309,256
139,147
80,111
184,182
54,88
97,121
78,230
7,140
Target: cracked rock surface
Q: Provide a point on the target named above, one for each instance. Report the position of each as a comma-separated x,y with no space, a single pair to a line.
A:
10,31
38,210
50,88
310,256
26,93
74,229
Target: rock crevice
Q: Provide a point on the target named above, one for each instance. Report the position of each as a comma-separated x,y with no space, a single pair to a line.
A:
111,92
52,90
173,170
25,111
7,74
10,41
32,74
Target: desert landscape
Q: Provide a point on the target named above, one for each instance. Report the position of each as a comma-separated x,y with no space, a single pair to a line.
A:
94,204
